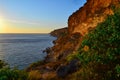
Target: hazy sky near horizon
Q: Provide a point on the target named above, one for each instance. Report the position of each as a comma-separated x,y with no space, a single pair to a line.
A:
35,16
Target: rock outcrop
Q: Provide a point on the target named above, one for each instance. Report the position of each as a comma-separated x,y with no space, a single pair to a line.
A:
88,16
59,32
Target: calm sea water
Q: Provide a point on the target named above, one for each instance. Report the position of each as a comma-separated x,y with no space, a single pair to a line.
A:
20,50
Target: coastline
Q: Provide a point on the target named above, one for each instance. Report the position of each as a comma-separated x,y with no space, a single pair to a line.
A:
52,64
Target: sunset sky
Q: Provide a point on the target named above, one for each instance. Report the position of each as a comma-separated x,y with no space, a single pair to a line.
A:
35,16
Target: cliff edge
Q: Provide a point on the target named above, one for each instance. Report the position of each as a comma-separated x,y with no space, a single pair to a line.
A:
59,32
88,16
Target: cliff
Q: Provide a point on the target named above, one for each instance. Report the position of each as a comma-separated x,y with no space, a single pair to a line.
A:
59,32
79,24
88,16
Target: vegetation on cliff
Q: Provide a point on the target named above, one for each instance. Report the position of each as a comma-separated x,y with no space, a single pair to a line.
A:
99,53
6,73
11,74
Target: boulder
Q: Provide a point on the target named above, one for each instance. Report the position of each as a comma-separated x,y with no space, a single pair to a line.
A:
64,70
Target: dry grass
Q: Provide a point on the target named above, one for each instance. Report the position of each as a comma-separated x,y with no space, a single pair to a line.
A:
34,75
49,76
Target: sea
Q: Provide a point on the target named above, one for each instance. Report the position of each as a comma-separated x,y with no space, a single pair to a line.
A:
20,50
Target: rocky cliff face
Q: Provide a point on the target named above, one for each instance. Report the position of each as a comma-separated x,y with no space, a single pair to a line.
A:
88,16
80,22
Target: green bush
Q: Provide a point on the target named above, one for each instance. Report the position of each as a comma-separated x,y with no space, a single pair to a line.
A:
117,68
72,56
12,74
100,49
2,64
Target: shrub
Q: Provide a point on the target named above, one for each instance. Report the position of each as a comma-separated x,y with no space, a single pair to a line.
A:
71,57
12,74
117,68
2,64
100,50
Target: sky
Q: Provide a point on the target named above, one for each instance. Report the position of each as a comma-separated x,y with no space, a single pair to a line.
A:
36,16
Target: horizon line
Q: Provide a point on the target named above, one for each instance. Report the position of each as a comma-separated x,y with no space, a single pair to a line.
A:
24,33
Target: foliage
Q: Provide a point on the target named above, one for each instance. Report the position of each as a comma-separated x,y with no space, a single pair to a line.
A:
35,64
100,50
117,68
12,74
2,64
15,74
71,57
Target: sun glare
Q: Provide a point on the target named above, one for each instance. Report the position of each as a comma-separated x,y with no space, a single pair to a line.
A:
1,25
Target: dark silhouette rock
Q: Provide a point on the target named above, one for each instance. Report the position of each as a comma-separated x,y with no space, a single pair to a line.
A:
47,50
73,66
60,56
62,71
